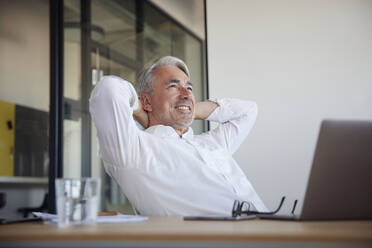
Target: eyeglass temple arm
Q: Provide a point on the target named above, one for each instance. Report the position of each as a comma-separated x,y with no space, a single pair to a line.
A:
276,210
294,207
280,206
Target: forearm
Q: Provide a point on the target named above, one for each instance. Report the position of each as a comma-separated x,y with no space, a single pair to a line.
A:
204,109
111,105
233,109
236,118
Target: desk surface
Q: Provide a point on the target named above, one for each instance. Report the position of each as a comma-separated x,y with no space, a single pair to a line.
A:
175,229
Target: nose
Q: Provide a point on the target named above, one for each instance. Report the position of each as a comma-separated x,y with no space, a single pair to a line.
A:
184,92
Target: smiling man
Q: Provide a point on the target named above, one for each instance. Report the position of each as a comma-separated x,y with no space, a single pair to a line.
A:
170,102
166,169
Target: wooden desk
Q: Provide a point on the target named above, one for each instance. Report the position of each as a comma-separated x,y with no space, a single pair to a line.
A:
174,232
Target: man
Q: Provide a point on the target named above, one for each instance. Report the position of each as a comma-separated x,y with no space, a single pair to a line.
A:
166,169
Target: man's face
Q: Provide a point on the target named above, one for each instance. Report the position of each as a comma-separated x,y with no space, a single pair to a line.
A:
172,101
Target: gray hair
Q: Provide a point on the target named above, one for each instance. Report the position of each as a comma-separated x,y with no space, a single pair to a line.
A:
145,78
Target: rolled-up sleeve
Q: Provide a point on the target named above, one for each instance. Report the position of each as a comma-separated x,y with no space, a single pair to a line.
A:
236,119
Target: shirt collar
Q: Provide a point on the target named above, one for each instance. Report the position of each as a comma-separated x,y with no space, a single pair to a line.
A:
168,131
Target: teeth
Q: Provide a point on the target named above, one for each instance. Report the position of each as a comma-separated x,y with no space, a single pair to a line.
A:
183,108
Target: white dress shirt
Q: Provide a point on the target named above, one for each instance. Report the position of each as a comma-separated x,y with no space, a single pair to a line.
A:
164,174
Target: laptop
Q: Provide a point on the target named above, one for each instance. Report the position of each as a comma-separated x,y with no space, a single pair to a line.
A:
340,181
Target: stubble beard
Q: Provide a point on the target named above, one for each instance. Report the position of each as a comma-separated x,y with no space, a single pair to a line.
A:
184,124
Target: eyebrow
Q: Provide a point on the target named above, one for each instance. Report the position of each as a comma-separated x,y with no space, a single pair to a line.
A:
177,81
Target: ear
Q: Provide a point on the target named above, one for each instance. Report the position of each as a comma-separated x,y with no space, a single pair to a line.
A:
145,99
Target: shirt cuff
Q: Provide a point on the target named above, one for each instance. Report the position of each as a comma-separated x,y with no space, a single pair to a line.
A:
222,113
230,109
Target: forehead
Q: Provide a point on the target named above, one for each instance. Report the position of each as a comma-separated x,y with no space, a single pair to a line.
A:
164,74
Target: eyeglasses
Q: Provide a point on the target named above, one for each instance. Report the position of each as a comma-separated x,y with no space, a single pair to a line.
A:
243,207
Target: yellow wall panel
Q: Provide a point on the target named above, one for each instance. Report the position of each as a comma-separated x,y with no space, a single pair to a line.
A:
7,131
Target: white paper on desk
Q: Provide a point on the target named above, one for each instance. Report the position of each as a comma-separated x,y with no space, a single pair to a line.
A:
53,218
120,218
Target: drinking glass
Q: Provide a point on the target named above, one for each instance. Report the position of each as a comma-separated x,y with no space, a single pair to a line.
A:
77,200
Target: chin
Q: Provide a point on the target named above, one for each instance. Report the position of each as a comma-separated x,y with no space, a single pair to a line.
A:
185,123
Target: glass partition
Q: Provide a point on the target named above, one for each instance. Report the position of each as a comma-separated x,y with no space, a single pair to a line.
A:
24,89
112,37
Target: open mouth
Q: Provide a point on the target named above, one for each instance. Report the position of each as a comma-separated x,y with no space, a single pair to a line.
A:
183,108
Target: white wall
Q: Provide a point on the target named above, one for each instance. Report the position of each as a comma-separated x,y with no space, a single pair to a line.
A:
301,61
